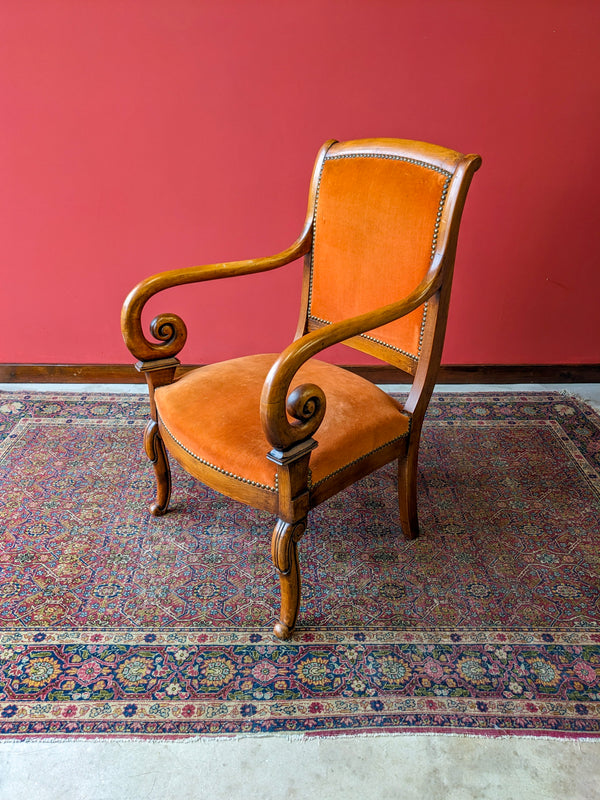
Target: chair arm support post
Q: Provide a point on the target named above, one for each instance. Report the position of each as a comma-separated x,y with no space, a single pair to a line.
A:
159,372
292,476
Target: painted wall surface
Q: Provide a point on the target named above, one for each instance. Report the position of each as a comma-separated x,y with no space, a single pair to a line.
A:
147,134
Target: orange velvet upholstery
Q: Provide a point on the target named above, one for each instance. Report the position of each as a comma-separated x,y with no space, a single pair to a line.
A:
206,422
376,223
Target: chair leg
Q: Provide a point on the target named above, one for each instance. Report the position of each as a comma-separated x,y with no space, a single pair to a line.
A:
155,450
407,491
285,557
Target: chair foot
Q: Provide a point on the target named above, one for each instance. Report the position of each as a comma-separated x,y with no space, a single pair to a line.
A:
407,496
156,452
282,631
285,557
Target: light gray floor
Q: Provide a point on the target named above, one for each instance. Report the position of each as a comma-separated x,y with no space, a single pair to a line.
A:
407,767
280,768
590,392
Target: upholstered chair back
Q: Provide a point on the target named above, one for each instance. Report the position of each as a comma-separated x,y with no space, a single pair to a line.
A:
376,223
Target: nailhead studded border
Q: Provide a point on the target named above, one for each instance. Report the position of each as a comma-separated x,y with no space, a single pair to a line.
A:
391,157
444,193
219,469
360,458
275,488
378,341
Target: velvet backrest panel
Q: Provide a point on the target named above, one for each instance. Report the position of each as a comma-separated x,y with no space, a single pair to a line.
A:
376,222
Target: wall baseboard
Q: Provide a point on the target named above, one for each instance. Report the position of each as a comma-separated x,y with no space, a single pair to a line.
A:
461,373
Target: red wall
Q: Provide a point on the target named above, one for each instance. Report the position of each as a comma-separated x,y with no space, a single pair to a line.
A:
146,134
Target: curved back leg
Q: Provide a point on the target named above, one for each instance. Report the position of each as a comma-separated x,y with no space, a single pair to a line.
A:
407,489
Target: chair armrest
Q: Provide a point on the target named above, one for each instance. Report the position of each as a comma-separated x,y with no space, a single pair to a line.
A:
306,404
169,329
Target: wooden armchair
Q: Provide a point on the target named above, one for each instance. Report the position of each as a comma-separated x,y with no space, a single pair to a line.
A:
285,432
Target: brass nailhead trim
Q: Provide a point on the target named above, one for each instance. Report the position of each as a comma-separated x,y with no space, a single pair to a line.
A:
391,157
219,469
275,488
373,339
360,458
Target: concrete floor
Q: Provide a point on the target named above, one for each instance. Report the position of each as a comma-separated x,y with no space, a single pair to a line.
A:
407,767
280,768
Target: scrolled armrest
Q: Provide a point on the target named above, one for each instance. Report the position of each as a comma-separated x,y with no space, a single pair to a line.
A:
306,404
169,329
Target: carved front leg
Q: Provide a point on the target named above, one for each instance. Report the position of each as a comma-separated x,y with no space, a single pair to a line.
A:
155,450
285,557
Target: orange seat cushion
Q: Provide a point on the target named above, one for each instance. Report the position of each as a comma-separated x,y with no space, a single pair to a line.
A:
214,414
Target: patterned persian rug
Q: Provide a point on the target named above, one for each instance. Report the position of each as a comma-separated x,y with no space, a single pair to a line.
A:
113,623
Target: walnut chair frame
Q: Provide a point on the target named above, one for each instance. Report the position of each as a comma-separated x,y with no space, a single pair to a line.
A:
288,413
